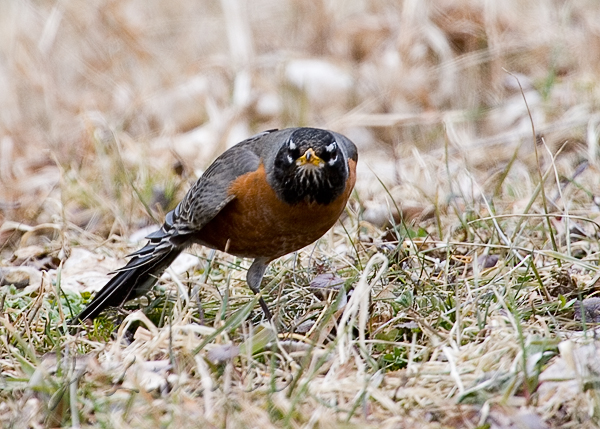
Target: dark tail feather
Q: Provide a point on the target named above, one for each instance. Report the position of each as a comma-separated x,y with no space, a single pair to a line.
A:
131,281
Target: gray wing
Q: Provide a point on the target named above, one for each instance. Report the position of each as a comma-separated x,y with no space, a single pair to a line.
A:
209,195
205,199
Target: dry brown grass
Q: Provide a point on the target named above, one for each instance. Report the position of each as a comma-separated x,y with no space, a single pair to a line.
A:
110,108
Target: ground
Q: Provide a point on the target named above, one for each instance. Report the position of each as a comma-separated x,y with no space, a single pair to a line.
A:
458,289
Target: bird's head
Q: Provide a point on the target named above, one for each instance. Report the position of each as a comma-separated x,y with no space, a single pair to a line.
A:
311,166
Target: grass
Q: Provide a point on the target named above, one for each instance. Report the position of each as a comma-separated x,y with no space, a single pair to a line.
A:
470,239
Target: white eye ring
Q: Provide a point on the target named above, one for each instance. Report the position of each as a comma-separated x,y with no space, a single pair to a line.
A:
290,159
292,145
332,160
331,147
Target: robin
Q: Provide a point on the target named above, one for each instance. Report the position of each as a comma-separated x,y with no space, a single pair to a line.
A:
265,197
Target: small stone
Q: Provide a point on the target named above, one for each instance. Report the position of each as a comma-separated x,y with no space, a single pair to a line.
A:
591,306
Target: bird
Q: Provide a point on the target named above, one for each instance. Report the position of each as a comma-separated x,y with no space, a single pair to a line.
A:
269,195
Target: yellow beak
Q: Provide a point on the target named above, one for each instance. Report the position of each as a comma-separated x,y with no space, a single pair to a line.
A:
310,157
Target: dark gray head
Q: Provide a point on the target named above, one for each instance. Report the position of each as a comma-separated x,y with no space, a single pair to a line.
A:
311,166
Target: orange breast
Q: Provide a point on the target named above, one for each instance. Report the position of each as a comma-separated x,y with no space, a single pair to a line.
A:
258,224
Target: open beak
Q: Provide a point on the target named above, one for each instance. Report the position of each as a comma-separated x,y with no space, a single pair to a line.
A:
310,157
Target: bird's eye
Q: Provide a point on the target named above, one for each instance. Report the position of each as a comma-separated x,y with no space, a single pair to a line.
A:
332,147
292,151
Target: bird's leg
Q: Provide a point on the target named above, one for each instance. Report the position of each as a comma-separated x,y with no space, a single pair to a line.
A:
254,278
